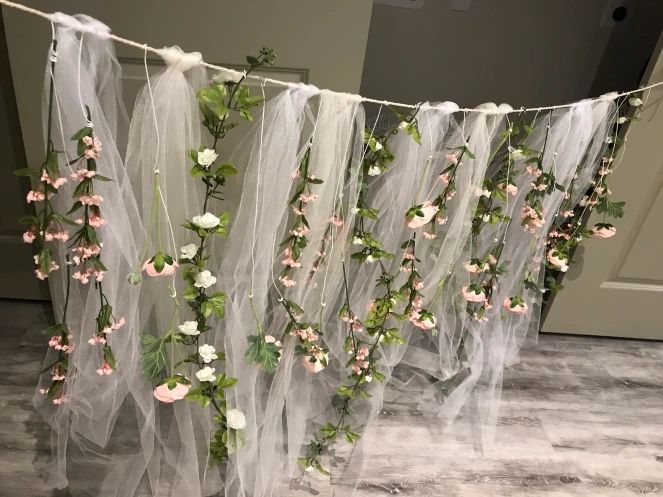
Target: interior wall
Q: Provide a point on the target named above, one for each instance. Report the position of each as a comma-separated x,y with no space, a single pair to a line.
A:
16,254
328,38
529,53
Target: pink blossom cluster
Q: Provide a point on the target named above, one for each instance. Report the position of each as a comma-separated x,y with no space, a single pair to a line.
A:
305,334
60,399
336,221
319,356
360,364
352,320
287,281
85,251
532,219
534,171
91,199
428,212
518,308
43,275
105,369
288,260
300,231
81,174
115,325
95,220
93,147
85,274
37,196
55,183
57,343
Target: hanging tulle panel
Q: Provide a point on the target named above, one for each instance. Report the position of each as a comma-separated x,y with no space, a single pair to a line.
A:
207,347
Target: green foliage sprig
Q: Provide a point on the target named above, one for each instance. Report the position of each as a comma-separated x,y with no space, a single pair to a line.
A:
218,103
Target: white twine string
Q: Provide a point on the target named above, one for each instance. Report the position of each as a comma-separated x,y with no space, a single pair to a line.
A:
258,179
289,84
155,169
367,149
88,119
275,243
338,192
53,57
506,184
622,150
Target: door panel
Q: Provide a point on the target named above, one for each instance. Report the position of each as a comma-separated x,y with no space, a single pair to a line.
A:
616,289
16,272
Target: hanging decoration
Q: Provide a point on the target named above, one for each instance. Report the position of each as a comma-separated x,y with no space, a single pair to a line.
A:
414,258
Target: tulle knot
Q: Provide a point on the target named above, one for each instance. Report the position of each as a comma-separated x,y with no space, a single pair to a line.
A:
91,26
176,58
346,96
447,107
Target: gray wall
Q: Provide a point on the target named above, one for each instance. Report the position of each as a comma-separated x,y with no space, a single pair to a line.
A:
326,37
524,52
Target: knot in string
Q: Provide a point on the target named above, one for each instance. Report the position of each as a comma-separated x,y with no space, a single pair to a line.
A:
176,58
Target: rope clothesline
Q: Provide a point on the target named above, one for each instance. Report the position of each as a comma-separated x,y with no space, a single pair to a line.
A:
287,84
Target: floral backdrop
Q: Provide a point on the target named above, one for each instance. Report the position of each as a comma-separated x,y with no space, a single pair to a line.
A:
202,347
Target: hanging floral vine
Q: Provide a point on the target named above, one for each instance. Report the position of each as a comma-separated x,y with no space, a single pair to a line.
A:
364,336
218,102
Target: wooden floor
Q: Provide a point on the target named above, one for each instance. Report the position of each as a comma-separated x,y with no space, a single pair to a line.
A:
580,417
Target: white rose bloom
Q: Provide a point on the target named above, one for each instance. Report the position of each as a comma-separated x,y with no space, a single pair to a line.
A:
235,419
206,374
207,157
374,171
515,152
189,328
368,378
635,102
271,339
189,251
370,258
204,279
621,120
356,240
207,353
378,145
206,221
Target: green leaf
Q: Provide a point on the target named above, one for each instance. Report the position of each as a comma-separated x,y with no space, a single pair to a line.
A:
190,293
412,130
224,381
226,169
109,357
198,395
351,436
263,353
26,171
215,303
153,354
159,262
81,133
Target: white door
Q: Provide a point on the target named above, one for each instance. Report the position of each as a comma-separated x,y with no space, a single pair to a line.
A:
616,288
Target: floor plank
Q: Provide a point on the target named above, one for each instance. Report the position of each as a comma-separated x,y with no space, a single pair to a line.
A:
581,416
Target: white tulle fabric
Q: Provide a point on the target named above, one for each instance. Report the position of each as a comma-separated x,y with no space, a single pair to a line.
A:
114,433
